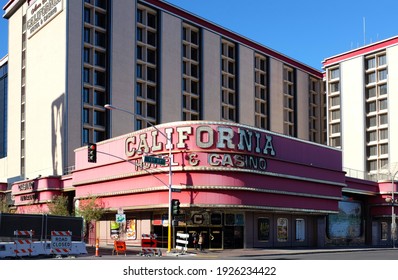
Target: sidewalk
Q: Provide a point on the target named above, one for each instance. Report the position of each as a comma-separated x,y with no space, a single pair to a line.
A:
230,253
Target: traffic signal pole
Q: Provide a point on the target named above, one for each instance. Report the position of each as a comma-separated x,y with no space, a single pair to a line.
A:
169,147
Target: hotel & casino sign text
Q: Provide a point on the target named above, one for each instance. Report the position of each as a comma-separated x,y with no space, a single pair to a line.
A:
40,13
203,145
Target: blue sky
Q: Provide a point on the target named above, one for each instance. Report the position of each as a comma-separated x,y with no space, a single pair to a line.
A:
308,30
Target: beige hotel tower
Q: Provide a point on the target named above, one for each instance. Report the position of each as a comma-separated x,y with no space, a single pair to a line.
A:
67,59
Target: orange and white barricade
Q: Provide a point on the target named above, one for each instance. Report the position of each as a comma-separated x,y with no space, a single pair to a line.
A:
23,246
182,242
149,246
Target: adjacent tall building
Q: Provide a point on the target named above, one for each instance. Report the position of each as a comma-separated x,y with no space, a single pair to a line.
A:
361,96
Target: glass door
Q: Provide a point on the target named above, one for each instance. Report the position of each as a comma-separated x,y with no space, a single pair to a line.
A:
215,238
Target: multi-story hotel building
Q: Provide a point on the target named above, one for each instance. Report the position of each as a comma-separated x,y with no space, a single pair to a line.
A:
245,126
69,58
360,87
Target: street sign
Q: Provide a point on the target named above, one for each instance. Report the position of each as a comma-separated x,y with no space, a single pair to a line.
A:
154,160
61,240
120,218
180,217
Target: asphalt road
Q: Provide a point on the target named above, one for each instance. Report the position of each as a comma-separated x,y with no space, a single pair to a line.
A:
244,254
263,254
386,254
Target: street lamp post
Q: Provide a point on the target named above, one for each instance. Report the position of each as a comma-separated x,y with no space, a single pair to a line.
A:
111,107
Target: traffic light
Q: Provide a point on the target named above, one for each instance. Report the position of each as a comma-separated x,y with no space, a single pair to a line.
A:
175,207
92,152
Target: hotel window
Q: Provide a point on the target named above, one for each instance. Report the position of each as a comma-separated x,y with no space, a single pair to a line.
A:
228,82
372,151
86,75
86,95
99,98
87,55
261,91
376,99
95,74
382,89
371,107
383,134
100,39
335,101
99,135
100,59
99,78
289,96
383,104
87,15
371,136
334,87
146,67
334,106
100,19
383,119
371,121
370,92
99,118
87,35
335,73
370,63
335,128
382,60
85,137
383,149
372,166
86,116
382,74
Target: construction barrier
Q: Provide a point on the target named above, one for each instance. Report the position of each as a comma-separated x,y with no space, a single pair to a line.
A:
182,242
23,247
60,244
149,245
119,247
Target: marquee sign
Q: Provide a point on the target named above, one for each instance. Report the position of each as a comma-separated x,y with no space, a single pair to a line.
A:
26,186
40,13
203,145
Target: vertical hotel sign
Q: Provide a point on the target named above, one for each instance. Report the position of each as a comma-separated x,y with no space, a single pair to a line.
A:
40,13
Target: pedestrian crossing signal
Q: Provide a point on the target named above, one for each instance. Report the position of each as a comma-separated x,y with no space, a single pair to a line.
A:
92,152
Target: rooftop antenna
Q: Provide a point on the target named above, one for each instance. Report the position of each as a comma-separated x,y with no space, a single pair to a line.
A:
364,31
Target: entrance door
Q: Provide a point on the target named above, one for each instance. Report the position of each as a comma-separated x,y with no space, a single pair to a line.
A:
212,237
233,237
215,238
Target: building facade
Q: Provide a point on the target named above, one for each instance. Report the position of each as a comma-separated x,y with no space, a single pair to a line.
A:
361,83
246,126
69,58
